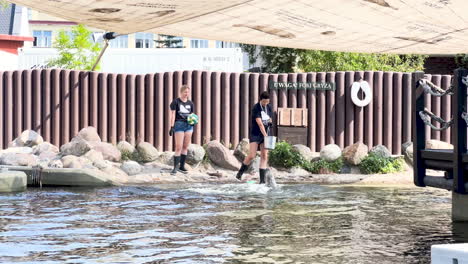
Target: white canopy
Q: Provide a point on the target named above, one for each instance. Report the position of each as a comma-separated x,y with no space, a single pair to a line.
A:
380,26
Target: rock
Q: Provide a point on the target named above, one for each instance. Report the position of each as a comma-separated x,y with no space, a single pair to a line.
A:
102,164
147,152
124,146
14,144
45,147
13,181
221,156
89,134
55,164
195,154
23,150
305,152
349,169
405,145
299,172
254,166
242,149
47,155
407,150
131,167
116,174
109,151
76,147
355,153
18,159
381,151
330,152
437,144
28,138
94,156
167,158
75,162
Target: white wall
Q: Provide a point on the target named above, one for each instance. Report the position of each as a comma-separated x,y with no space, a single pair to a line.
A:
8,61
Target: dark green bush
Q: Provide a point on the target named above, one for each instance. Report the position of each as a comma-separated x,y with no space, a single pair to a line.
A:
376,164
285,156
316,166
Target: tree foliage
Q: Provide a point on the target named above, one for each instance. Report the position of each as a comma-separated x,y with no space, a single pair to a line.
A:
4,4
169,42
297,60
77,51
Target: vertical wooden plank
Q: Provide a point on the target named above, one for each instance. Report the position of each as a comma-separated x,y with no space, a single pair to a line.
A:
149,109
17,103
428,101
131,116
263,83
75,102
283,91
122,107
140,108
445,107
254,89
196,80
27,106
234,107
378,108
55,117
65,98
216,105
407,111
206,109
349,106
321,113
93,100
168,98
459,131
302,91
388,110
340,104
2,113
397,112
244,105
274,102
292,93
160,132
84,99
419,137
113,91
358,114
46,106
225,106
312,114
368,112
330,111
435,104
103,106
8,107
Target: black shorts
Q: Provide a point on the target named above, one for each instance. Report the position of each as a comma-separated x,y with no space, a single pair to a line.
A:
258,139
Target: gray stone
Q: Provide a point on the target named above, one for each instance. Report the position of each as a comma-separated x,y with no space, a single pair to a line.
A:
381,151
124,146
102,164
350,169
330,152
167,157
131,167
18,159
195,154
405,145
45,147
407,150
94,156
242,149
75,162
48,155
89,134
13,181
299,172
221,156
254,166
109,151
55,164
76,147
23,150
437,144
305,152
355,153
147,152
28,138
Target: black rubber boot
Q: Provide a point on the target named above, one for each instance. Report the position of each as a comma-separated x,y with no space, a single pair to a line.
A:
176,165
182,164
262,175
241,171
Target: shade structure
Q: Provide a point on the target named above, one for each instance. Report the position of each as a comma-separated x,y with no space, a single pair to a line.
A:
377,26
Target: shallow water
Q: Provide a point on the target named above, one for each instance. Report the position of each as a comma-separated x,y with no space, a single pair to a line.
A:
238,223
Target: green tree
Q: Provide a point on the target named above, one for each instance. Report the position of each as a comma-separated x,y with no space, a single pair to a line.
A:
77,51
4,4
297,60
169,42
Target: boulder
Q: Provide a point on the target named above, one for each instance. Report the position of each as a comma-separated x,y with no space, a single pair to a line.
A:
305,152
381,151
437,144
55,164
254,165
330,152
22,150
76,147
355,153
48,155
124,146
195,154
102,164
221,156
28,138
167,157
94,156
242,149
13,181
109,151
18,159
349,169
147,152
131,167
45,147
89,134
407,150
116,174
298,172
75,162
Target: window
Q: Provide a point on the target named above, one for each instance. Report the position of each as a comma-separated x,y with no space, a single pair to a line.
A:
119,42
226,44
42,38
144,40
199,43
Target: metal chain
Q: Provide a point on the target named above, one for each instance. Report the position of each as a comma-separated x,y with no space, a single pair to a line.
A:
433,89
427,117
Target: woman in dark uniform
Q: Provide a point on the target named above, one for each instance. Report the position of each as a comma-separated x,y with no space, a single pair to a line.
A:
259,129
181,108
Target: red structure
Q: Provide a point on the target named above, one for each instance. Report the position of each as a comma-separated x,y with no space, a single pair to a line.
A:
11,44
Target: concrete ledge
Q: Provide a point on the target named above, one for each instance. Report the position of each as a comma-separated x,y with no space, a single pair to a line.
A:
459,207
12,181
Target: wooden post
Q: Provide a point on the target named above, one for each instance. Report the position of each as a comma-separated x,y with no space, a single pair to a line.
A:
419,135
459,130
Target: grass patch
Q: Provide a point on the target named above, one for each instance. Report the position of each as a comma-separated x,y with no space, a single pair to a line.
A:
321,164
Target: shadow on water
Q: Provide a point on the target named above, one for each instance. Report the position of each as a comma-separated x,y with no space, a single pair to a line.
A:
225,223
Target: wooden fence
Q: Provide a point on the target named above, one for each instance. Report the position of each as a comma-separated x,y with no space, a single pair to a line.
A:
58,103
